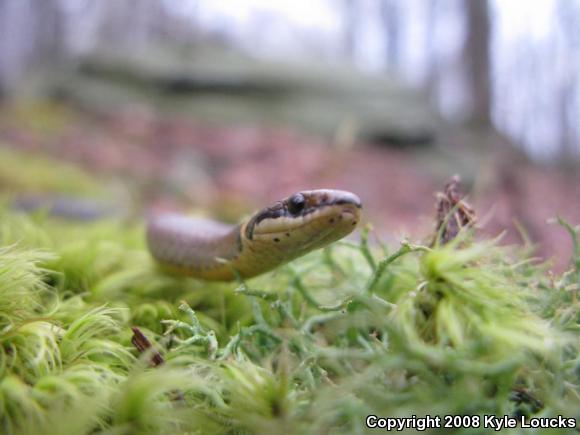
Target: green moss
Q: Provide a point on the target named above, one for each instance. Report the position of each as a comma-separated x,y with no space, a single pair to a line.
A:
42,117
316,346
25,173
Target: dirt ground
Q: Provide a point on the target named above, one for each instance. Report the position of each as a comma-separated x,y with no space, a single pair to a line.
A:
183,163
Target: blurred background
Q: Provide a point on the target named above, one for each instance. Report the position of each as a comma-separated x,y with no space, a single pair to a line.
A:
224,106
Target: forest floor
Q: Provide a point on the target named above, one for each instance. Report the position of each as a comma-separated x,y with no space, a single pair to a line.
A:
173,162
95,339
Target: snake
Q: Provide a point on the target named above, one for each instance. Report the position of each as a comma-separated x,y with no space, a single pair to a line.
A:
275,235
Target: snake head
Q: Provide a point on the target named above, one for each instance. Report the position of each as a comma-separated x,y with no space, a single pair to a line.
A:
306,220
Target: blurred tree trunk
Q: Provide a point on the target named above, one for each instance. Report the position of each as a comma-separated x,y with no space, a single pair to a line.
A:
477,59
350,27
17,42
32,33
390,15
49,26
567,41
434,63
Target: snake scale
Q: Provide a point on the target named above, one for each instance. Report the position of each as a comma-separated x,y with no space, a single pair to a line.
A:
275,235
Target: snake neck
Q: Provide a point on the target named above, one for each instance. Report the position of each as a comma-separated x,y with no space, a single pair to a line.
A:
192,246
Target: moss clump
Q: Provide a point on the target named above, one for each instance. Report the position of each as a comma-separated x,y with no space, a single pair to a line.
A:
24,173
313,347
469,328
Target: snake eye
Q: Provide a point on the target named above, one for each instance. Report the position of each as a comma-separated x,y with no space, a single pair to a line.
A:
296,203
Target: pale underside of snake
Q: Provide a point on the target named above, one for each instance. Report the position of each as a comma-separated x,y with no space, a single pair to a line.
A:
273,236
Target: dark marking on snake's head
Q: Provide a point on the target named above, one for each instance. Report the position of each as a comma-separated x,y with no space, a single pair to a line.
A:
273,212
316,199
239,241
302,204
249,231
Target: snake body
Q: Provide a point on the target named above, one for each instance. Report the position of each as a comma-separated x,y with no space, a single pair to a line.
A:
275,235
